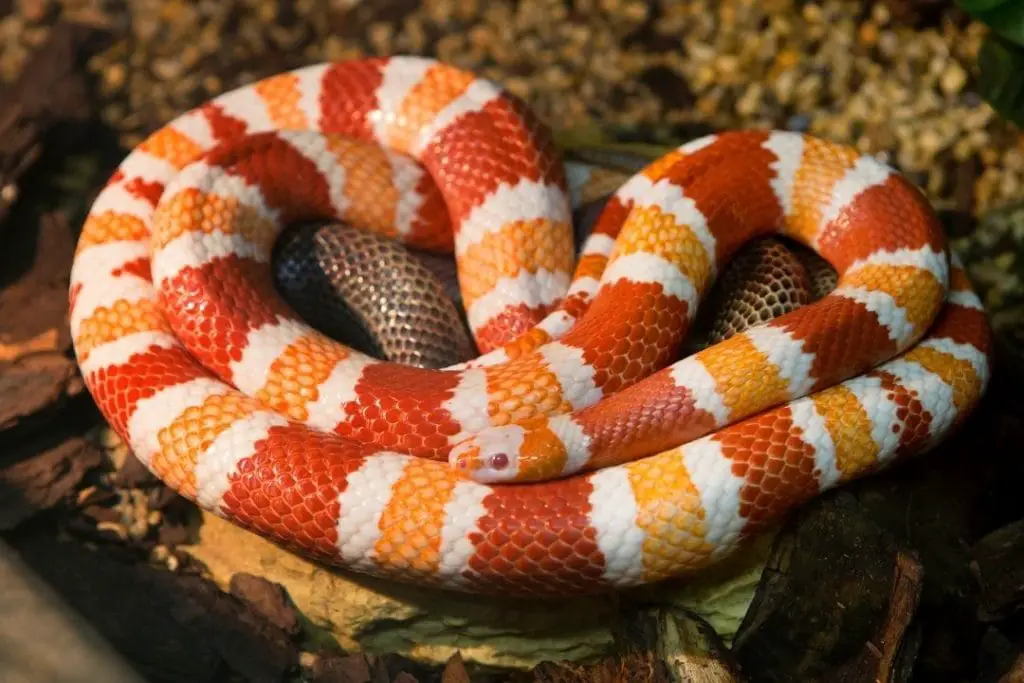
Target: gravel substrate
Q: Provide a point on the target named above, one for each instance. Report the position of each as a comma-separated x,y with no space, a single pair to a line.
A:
849,71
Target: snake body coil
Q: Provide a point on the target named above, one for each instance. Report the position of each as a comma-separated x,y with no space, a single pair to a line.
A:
642,468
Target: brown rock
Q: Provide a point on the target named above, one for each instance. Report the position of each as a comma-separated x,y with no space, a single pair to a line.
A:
380,617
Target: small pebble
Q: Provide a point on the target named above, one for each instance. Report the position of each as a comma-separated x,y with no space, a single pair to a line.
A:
953,79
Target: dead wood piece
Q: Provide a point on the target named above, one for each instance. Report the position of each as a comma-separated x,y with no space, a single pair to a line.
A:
998,566
52,88
36,376
455,670
268,598
170,627
943,502
19,149
825,594
340,669
34,306
35,386
41,481
889,656
250,645
691,651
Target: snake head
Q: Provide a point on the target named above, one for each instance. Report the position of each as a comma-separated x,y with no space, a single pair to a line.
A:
528,451
491,456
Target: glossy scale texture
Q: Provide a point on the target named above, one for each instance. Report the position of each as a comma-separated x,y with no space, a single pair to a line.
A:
237,404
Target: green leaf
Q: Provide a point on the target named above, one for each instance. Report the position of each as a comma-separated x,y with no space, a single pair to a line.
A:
1005,17
1001,81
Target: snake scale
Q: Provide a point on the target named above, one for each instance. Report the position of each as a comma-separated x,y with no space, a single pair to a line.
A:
576,453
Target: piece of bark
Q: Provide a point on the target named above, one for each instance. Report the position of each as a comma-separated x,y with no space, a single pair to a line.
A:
998,566
37,376
340,669
34,389
52,88
249,644
170,627
269,599
889,656
19,150
41,481
45,639
455,670
35,279
691,651
825,593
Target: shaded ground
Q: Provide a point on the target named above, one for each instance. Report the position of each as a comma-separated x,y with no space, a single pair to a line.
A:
913,575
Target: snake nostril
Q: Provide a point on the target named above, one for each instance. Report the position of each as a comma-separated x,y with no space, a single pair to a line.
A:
499,461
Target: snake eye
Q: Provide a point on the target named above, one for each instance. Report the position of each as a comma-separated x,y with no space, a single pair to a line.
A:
499,461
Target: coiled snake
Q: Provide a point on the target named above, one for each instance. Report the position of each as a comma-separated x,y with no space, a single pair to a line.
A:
639,466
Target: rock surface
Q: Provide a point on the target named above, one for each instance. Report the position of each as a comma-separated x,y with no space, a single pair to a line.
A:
376,616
